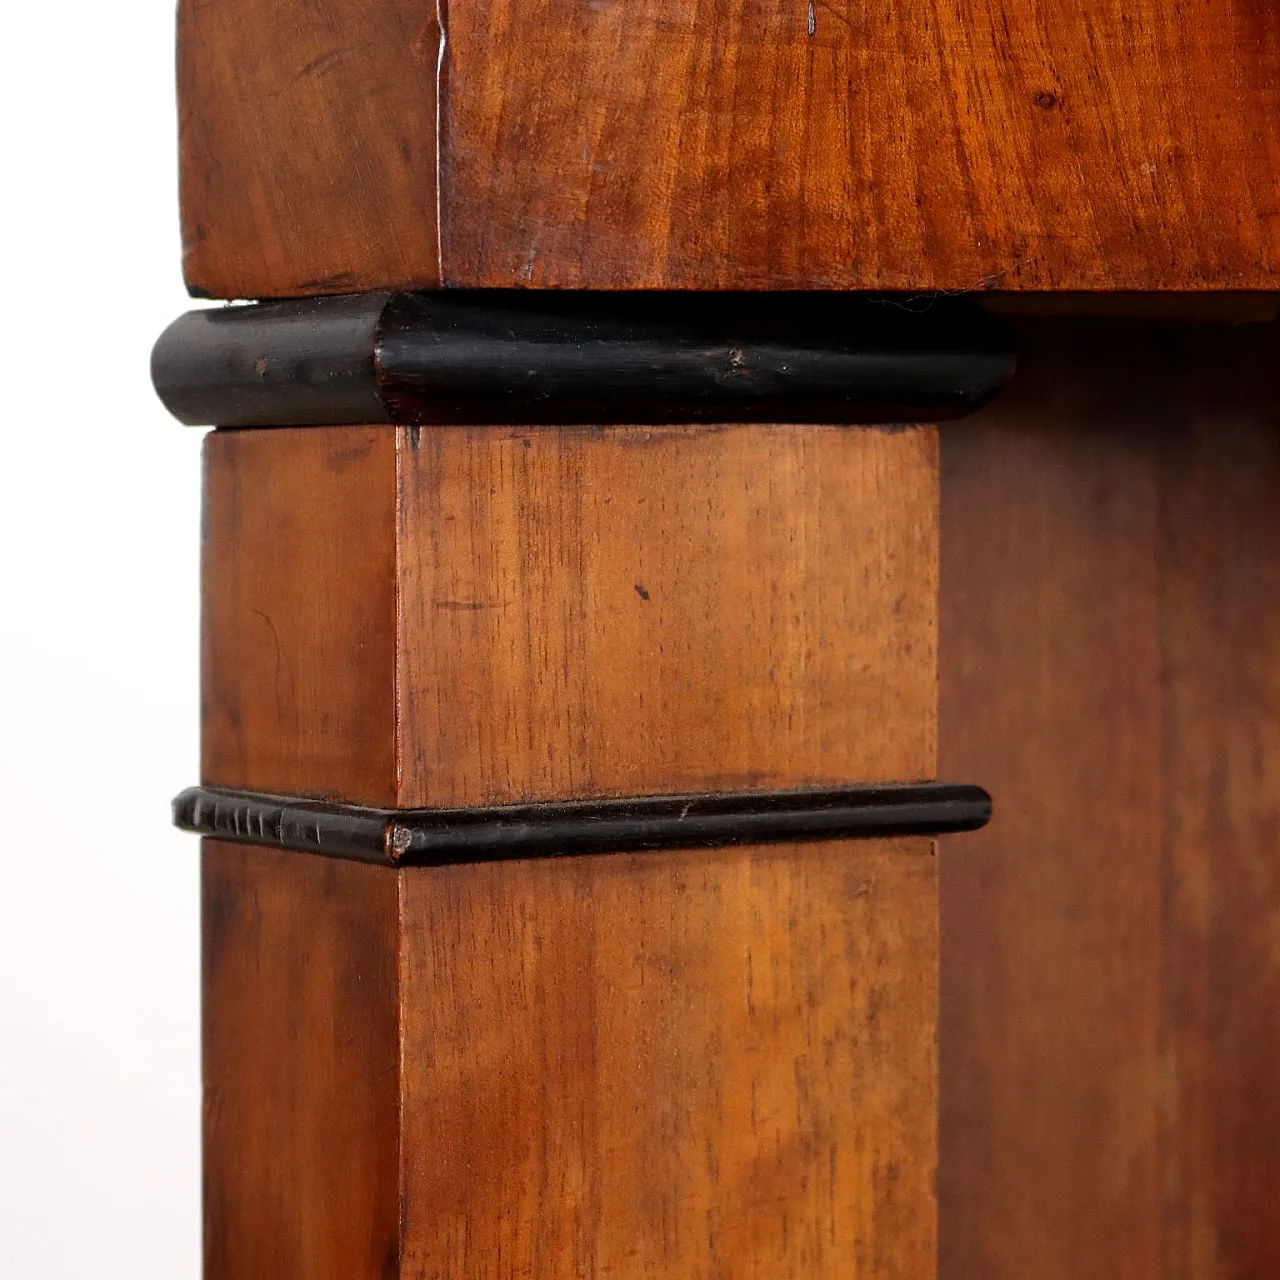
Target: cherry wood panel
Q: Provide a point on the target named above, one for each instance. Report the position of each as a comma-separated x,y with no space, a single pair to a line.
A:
1108,645
1014,144
299,599
702,1065
658,610
301,1109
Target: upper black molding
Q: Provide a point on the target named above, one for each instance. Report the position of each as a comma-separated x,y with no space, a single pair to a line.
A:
492,356
435,837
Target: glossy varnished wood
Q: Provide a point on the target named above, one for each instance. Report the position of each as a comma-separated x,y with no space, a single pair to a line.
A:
1018,144
1108,618
645,1067
636,611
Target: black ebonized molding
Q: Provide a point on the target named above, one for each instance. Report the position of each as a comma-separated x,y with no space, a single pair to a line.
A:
436,837
486,356
306,363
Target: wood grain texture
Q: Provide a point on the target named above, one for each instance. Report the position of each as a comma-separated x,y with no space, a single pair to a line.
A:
300,984
1011,143
307,144
693,1063
1109,622
300,1045
299,600
720,1065
567,613
659,610
1015,144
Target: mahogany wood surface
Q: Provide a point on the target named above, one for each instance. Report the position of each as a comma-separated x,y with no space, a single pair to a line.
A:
307,140
653,610
710,1062
1109,623
568,613
646,1066
298,595
300,1046
1015,144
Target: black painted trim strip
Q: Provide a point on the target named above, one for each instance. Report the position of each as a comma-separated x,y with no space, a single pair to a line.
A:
527,357
436,837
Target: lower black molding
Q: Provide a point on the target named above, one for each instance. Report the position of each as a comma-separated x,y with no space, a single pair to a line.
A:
437,837
460,357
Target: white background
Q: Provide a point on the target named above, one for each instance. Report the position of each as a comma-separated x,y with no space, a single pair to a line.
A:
99,524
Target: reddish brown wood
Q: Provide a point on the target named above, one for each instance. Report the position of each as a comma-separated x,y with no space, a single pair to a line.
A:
307,145
1220,608
568,613
1016,144
658,610
721,1064
1025,144
1108,617
301,1107
299,631
655,1065
1108,541
1051,918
